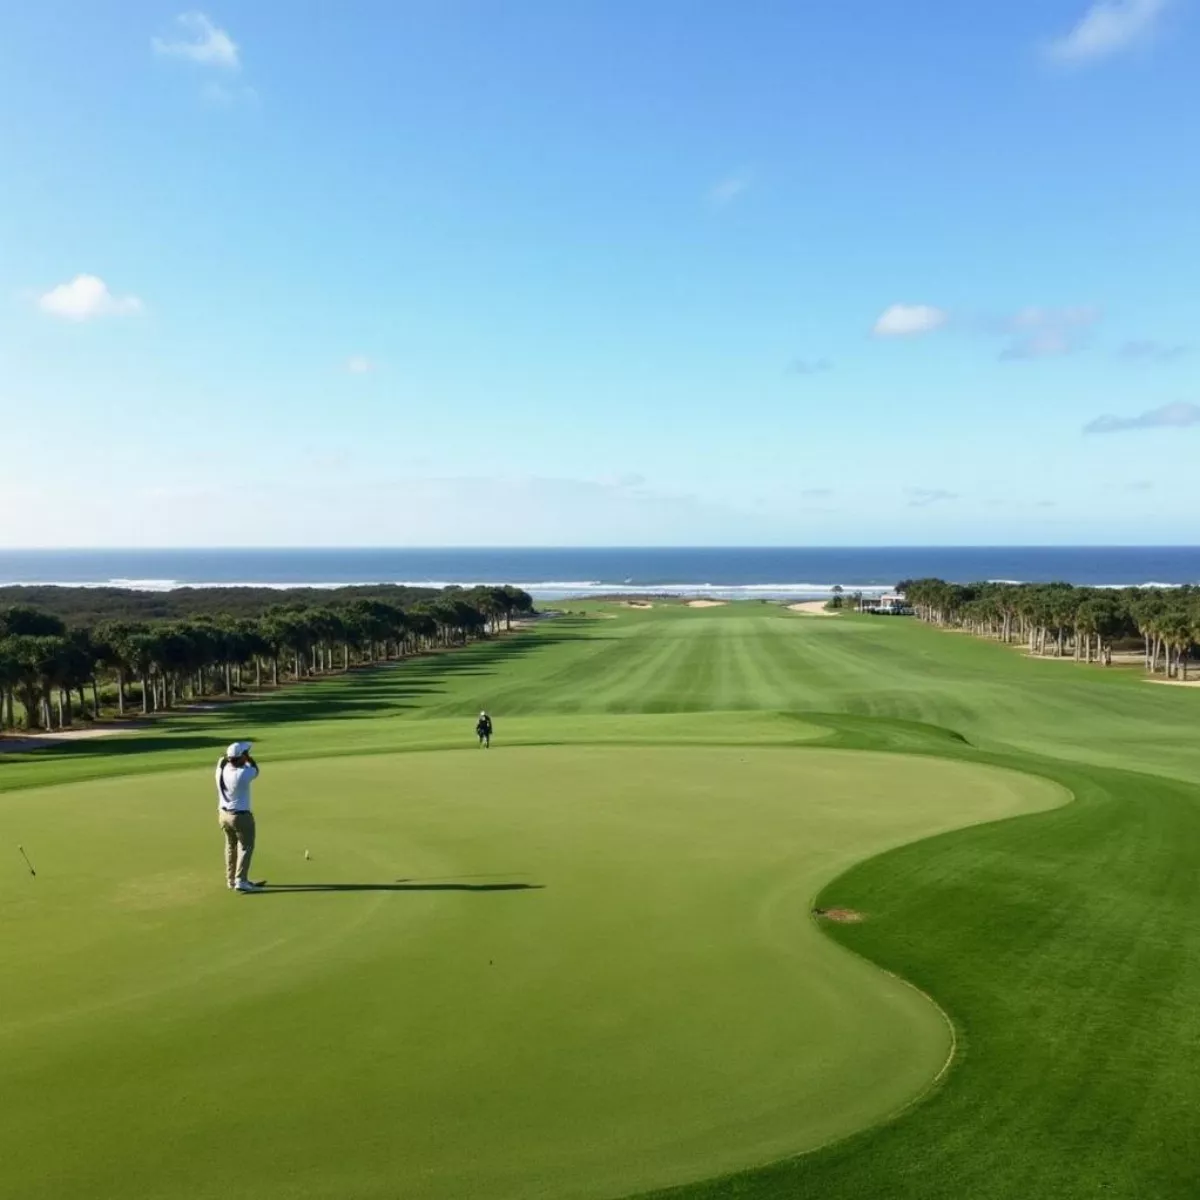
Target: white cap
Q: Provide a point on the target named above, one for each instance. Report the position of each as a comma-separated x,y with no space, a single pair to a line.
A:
483,714
237,749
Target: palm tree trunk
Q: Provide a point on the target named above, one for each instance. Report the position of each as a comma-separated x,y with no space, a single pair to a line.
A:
121,691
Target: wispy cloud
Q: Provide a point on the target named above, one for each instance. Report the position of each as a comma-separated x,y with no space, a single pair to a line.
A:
909,320
1107,28
1073,316
816,493
358,364
1047,332
723,193
198,40
1148,350
85,297
1049,343
1046,504
809,366
1140,485
923,497
1169,416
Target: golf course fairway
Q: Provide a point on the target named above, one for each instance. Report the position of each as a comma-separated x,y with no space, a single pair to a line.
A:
585,963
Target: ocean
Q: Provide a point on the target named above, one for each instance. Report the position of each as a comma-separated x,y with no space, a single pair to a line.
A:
555,574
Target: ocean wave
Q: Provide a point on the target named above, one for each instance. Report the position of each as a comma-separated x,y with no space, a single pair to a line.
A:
545,589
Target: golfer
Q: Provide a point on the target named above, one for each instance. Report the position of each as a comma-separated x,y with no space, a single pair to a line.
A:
483,729
235,773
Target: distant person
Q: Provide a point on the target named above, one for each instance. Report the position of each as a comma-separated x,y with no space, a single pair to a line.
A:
483,729
235,773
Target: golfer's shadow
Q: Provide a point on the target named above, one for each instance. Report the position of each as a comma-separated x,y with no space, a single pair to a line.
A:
400,885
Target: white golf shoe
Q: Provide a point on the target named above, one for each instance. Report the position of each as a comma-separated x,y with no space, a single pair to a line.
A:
244,885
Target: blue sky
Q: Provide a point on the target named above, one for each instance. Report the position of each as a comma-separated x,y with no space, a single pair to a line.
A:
452,272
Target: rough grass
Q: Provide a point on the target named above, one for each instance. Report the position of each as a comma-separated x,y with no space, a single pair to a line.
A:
1064,946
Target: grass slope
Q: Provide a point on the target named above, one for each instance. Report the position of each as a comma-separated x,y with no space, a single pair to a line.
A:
1065,946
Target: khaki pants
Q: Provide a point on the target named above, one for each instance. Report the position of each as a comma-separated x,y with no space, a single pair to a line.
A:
238,828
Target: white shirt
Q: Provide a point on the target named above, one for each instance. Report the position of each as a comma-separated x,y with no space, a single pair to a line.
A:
233,787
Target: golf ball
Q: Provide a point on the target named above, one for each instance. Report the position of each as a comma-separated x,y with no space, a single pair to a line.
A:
307,855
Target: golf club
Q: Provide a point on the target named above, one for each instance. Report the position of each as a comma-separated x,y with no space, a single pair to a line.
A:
27,862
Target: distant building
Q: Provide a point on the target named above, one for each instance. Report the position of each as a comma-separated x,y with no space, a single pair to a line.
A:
892,604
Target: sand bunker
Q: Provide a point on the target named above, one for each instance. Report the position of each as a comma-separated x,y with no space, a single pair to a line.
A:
814,608
637,603
707,603
44,741
1176,682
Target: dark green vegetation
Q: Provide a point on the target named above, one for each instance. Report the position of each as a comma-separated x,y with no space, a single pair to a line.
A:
662,1007
1059,619
221,642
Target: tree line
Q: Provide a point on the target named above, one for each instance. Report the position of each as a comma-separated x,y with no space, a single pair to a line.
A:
1059,619
58,672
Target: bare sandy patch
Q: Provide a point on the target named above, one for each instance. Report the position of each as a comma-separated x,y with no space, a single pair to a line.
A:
813,608
1175,682
843,916
1120,658
43,741
637,603
707,603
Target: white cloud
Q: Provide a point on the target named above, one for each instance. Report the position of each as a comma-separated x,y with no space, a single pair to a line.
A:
357,364
906,320
724,193
1107,28
85,297
200,41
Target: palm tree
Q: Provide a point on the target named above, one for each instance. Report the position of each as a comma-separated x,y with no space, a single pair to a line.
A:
34,665
10,673
115,640
1146,608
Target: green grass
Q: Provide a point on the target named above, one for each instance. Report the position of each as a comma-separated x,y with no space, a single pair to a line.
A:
656,1007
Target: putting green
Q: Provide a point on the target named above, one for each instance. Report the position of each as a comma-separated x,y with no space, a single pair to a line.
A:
561,972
